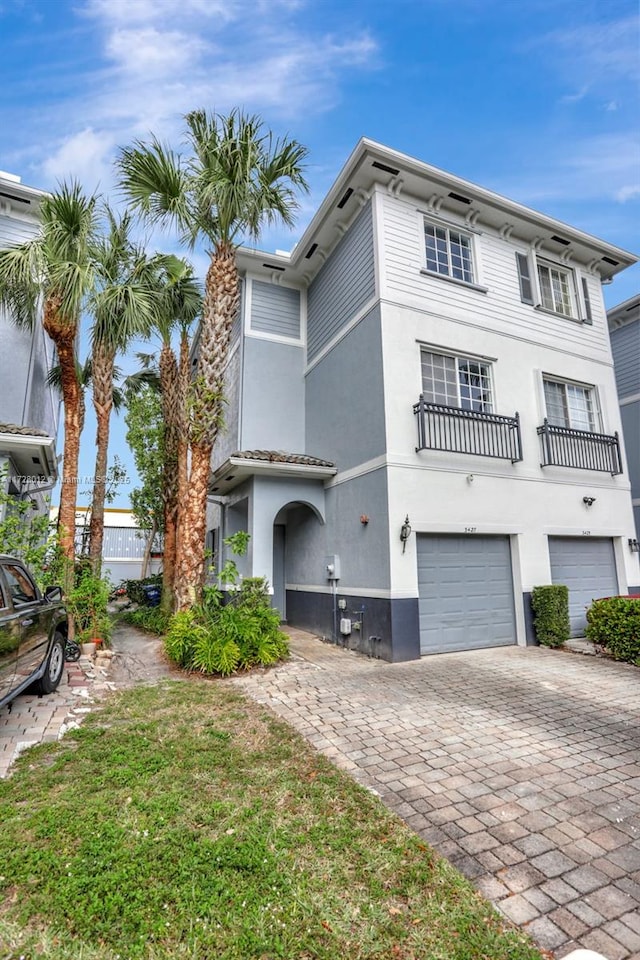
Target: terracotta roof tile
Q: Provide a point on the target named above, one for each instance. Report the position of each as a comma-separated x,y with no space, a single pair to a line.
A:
22,431
279,456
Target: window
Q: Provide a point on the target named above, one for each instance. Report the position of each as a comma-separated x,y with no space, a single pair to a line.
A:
448,252
20,586
570,405
555,289
456,382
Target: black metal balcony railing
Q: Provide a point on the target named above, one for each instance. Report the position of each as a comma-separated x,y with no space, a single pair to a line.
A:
581,449
456,430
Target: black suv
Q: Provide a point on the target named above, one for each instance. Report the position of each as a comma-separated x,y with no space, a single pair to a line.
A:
33,630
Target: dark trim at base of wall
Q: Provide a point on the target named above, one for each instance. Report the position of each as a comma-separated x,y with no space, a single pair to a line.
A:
634,591
389,629
529,630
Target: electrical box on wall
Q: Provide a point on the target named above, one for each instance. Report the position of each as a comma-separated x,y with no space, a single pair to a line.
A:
345,626
332,567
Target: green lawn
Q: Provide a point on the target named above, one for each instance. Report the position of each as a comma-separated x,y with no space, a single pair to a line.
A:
183,821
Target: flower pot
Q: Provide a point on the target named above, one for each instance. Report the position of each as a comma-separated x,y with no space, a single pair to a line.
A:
88,649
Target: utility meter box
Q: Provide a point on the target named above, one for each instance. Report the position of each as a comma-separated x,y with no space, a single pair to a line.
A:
332,567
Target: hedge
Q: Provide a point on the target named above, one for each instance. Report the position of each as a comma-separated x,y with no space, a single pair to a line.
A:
614,623
550,605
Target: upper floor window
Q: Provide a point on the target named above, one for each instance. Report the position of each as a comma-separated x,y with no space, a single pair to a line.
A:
456,382
570,405
555,289
449,252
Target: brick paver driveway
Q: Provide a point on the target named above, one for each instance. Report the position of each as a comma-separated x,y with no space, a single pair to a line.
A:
521,766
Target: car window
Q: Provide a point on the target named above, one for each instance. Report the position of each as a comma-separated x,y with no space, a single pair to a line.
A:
3,602
20,586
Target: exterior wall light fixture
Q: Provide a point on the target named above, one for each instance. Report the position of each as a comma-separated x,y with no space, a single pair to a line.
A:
364,519
634,545
405,532
589,501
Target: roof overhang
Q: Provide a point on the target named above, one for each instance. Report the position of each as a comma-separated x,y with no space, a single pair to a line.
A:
624,313
33,456
236,470
373,165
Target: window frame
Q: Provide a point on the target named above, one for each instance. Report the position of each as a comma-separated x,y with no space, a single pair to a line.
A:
469,233
596,413
459,358
577,285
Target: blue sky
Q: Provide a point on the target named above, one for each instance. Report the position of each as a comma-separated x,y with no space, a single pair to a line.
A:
536,99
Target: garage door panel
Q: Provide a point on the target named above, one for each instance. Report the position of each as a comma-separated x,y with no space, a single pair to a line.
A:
466,593
586,565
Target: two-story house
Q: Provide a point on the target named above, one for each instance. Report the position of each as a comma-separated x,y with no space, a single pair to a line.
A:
29,408
422,416
624,330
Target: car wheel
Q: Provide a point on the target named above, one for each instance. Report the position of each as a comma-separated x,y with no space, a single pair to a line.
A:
55,665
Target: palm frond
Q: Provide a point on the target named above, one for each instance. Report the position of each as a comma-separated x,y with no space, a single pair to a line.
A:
22,269
153,181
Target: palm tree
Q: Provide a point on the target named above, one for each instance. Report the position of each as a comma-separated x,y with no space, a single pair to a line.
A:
55,271
238,179
181,304
125,304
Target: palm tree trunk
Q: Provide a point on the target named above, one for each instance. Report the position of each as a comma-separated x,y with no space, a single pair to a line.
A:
103,363
63,334
170,412
193,528
205,401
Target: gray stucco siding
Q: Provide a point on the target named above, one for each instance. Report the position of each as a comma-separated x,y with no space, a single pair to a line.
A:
630,415
363,549
344,284
275,309
273,396
345,398
625,346
15,358
227,441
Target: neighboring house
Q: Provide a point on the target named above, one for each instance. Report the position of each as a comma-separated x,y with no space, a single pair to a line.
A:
422,421
124,545
624,330
29,408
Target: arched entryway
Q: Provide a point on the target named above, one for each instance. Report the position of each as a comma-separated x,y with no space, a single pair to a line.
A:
297,543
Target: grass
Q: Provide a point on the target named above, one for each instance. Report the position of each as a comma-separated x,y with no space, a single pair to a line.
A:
184,821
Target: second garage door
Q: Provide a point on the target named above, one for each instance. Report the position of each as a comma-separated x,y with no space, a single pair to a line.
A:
587,566
465,593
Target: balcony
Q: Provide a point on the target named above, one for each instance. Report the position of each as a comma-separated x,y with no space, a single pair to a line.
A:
580,449
456,430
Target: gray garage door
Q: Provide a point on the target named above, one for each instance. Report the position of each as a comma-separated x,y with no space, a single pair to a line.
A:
587,566
466,593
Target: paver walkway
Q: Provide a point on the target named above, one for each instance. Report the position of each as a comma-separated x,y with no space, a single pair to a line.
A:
521,766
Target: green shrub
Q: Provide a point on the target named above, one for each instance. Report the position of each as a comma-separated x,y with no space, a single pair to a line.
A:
219,637
135,588
550,605
151,619
614,623
184,630
87,604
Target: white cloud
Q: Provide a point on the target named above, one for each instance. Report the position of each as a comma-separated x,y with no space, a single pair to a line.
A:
150,54
628,193
605,167
84,156
600,51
